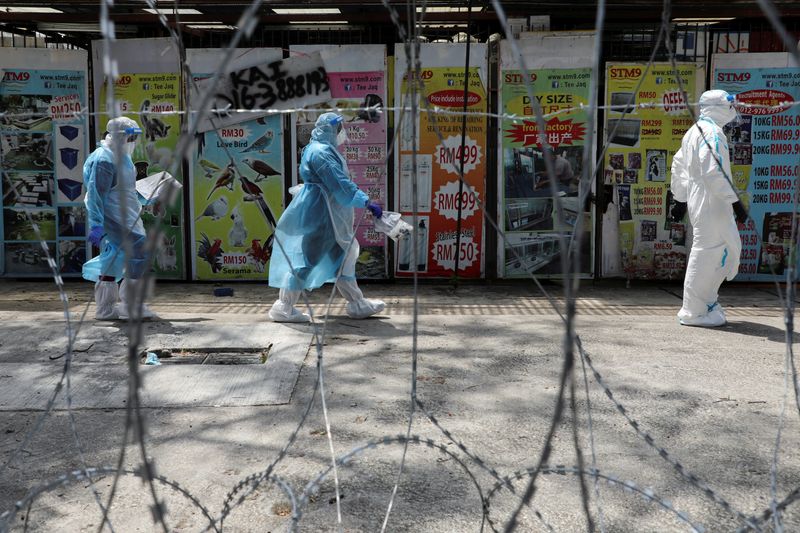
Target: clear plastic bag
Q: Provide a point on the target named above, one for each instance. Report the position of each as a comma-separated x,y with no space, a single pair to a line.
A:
393,225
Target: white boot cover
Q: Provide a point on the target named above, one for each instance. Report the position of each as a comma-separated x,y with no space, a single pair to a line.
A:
357,306
283,309
106,294
127,291
705,272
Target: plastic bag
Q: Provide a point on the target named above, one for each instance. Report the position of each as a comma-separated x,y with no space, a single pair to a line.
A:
393,225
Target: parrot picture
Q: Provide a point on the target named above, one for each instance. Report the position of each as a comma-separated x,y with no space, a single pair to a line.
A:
216,209
211,253
225,180
208,167
263,170
261,144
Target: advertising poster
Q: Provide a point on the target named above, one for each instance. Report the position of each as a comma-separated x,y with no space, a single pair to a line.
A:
764,148
151,100
638,159
438,160
529,213
237,189
42,149
357,79
559,71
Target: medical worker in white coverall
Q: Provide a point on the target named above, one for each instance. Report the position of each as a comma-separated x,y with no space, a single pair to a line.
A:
701,172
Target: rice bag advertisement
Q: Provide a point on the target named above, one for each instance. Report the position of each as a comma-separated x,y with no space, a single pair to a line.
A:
151,100
644,125
764,146
43,144
237,198
439,198
529,215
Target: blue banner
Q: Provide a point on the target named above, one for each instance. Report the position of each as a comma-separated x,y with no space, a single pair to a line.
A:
43,144
765,151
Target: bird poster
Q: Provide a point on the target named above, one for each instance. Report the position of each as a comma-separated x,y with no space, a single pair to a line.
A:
237,198
152,100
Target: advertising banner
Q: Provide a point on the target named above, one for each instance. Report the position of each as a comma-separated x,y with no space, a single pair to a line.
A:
641,144
559,71
357,78
151,100
764,146
438,160
43,145
236,186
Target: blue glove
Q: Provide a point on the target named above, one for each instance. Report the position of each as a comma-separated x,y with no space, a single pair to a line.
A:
375,209
96,235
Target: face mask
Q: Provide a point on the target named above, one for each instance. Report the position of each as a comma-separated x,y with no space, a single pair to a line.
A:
732,114
341,138
129,148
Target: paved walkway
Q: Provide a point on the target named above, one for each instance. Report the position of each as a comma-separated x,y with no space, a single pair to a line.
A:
489,357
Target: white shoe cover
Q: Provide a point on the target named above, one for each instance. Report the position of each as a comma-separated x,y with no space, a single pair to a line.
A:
106,294
129,288
147,313
364,308
713,319
283,312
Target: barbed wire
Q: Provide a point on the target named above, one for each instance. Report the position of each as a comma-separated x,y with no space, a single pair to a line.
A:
134,423
745,107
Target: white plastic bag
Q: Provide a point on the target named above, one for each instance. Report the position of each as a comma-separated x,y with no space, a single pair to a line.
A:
393,225
159,187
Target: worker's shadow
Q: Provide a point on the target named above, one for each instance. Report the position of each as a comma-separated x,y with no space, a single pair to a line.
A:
375,326
156,326
764,331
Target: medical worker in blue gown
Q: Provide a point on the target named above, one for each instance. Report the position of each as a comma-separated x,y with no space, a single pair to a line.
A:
701,185
114,207
316,229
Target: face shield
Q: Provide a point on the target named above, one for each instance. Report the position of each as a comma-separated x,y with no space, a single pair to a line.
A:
123,135
733,128
131,139
341,132
737,117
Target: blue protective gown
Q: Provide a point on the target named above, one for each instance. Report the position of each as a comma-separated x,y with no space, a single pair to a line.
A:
105,188
316,228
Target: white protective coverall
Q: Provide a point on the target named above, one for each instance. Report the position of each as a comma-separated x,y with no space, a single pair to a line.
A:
316,229
701,171
110,180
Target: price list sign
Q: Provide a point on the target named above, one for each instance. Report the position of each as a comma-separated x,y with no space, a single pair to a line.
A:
647,118
440,198
764,148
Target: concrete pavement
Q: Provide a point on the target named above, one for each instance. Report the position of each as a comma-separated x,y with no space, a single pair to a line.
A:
489,357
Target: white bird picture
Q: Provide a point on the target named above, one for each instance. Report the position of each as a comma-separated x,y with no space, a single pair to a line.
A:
216,209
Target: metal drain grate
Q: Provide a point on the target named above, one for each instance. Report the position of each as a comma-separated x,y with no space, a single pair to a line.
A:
208,356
